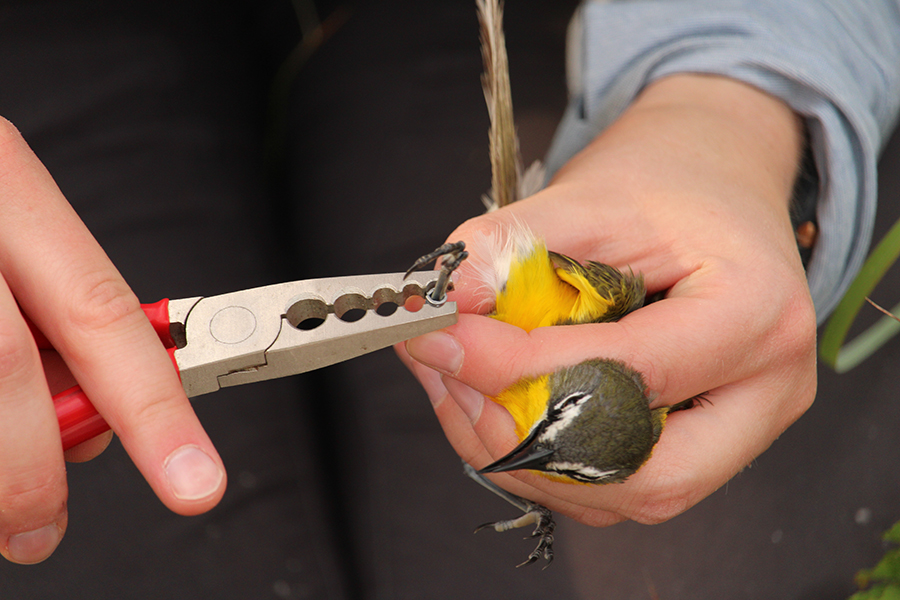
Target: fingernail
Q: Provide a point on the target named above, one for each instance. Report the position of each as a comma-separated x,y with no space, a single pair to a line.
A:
192,473
34,546
439,350
471,401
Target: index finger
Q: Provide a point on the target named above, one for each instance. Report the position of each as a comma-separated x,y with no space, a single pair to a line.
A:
68,286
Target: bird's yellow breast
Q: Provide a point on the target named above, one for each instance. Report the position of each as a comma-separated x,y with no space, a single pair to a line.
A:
526,402
539,294
534,295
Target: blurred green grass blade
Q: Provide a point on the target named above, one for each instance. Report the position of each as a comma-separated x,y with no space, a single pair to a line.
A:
842,359
862,346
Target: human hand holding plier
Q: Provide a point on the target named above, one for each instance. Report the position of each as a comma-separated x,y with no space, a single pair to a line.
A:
273,331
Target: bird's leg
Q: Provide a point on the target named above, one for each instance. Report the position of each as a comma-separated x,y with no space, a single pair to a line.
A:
535,514
454,253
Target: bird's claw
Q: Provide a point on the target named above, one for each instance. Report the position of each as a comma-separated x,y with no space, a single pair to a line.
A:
455,253
543,519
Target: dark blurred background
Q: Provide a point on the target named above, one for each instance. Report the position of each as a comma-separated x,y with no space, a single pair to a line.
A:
158,122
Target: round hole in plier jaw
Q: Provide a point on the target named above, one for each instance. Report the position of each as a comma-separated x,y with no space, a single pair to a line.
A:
307,314
385,301
351,307
414,303
413,297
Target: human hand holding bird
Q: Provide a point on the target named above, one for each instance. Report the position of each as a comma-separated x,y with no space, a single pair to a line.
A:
690,187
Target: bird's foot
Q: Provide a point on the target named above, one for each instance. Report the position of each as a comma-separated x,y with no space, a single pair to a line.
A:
454,253
543,519
534,513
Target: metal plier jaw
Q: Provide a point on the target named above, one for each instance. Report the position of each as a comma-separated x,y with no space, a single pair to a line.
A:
289,328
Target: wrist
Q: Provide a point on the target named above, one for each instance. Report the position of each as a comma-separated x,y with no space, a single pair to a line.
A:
701,136
745,134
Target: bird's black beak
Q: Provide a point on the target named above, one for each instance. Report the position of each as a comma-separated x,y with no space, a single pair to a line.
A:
527,455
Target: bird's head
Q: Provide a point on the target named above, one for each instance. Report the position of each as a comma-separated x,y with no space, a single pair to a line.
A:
597,426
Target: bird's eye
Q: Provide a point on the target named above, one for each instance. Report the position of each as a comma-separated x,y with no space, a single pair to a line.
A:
568,406
574,400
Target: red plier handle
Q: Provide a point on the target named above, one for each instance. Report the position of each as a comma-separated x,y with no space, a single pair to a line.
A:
79,421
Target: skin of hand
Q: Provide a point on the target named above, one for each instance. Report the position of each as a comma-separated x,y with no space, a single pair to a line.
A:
691,187
55,272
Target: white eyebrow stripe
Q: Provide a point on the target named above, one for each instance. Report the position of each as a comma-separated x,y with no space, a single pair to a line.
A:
565,416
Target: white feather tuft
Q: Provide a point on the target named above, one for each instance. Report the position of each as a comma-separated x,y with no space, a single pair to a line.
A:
532,180
491,255
490,203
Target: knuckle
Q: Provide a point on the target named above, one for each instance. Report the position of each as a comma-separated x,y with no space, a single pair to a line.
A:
800,399
804,400
787,338
101,299
147,409
31,493
667,493
799,323
488,224
593,517
17,358
482,223
794,347
661,508
653,367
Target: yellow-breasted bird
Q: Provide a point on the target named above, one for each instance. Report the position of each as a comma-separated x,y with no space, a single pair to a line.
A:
588,423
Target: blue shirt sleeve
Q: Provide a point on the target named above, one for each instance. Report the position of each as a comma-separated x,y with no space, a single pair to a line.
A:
835,62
